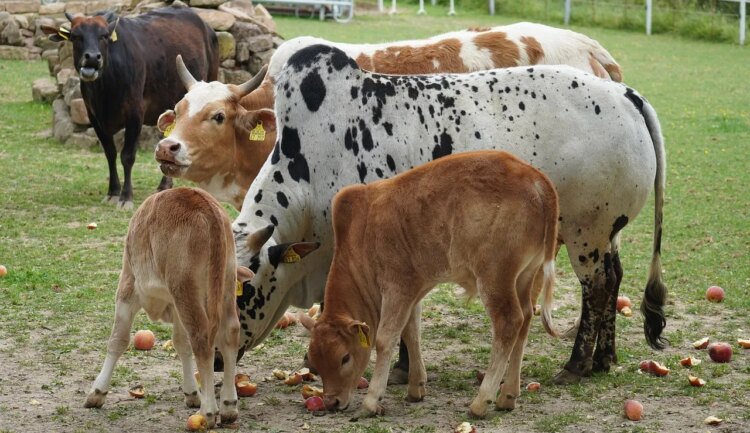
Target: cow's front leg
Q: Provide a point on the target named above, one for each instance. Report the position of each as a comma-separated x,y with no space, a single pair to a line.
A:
119,339
127,158
110,151
605,354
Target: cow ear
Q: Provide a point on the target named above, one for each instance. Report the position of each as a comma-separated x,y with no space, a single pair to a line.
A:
166,120
290,253
362,331
244,274
56,34
107,15
249,120
258,238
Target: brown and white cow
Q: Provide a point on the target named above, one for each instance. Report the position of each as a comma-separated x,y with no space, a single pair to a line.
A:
225,163
179,266
484,220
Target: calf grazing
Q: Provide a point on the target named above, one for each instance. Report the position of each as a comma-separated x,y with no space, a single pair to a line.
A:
484,220
126,80
226,164
598,141
179,266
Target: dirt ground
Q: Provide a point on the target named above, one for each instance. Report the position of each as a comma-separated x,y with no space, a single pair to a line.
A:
43,392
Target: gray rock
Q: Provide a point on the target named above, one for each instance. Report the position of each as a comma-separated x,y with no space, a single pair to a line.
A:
8,52
66,55
150,136
22,6
260,59
78,113
11,33
44,90
243,52
46,54
22,21
63,75
75,7
226,45
242,30
236,76
206,3
82,140
62,126
262,15
71,89
52,9
217,20
179,4
52,62
94,6
260,43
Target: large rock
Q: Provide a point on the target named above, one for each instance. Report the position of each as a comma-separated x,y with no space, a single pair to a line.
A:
62,77
242,31
226,45
8,52
42,41
66,55
149,138
52,62
22,6
44,90
217,20
75,7
262,15
243,52
11,31
94,6
82,140
260,43
145,7
206,3
71,89
241,9
52,9
78,113
62,126
47,54
258,60
236,76
22,21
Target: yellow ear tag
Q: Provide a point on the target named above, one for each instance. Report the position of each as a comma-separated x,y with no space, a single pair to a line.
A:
258,133
291,256
168,130
364,339
113,36
238,289
63,33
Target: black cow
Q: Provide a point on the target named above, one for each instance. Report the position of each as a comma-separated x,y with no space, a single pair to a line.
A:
128,75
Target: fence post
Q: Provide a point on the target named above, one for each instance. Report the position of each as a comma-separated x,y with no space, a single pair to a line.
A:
492,7
743,15
380,5
567,12
649,8
421,10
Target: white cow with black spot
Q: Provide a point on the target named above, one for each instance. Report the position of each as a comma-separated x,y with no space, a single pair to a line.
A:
598,141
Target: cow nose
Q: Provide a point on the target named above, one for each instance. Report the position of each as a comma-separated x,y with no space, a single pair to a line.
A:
169,146
95,56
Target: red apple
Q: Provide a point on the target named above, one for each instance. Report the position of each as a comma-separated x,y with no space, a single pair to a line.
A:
314,404
293,379
283,323
659,369
241,377
246,389
144,340
91,226
689,361
137,391
645,366
3,271
363,383
701,344
633,410
622,302
197,422
533,387
311,391
696,381
720,352
715,294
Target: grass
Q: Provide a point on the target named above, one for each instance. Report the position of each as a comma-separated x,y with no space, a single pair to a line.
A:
56,303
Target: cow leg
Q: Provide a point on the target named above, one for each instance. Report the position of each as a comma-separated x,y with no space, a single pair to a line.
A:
110,151
127,158
395,312
126,308
605,354
228,343
417,373
400,372
182,346
507,317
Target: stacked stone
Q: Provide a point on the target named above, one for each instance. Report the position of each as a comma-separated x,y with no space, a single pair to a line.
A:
247,40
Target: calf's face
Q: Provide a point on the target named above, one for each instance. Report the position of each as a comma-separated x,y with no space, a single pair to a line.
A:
339,351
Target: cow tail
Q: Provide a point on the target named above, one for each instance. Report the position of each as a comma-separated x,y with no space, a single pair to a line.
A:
550,250
607,62
655,295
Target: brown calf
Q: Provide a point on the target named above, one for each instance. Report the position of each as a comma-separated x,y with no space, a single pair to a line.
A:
179,266
484,220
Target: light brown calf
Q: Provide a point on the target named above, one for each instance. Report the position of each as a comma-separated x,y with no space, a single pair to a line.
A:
179,266
484,220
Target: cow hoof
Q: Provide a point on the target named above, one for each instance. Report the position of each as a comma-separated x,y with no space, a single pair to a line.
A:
192,400
603,364
364,413
505,402
398,377
95,399
477,413
415,398
229,416
125,205
111,199
565,377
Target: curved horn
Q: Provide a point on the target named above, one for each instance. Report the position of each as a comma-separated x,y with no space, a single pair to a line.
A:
185,76
254,82
69,16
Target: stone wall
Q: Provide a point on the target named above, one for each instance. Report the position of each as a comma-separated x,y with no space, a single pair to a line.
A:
246,33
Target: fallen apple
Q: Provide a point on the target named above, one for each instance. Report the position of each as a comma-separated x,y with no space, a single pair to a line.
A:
701,344
241,377
465,427
3,271
633,410
246,389
715,294
280,374
712,420
197,422
137,391
658,369
533,387
689,361
622,302
283,323
645,366
144,340
626,311
745,344
311,391
695,380
362,383
294,379
720,352
91,226
306,374
315,403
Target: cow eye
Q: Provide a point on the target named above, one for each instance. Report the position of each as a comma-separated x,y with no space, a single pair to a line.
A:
345,359
219,118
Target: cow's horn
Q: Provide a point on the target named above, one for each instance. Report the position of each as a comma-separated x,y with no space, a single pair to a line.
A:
254,82
69,16
185,76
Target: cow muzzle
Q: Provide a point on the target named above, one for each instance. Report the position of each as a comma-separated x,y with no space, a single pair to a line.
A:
169,156
91,64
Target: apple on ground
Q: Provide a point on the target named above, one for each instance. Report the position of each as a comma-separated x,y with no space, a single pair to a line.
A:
626,311
533,386
465,427
311,391
293,379
695,380
720,352
689,361
622,302
363,383
197,422
137,391
144,340
246,389
715,294
633,410
241,377
3,271
701,344
315,403
745,344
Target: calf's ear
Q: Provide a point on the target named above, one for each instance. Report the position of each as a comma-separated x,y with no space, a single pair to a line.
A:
249,120
290,253
258,238
165,121
244,274
362,331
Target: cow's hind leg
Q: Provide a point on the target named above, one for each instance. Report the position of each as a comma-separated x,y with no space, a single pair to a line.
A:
417,373
228,342
126,307
400,373
503,306
110,151
605,354
182,346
